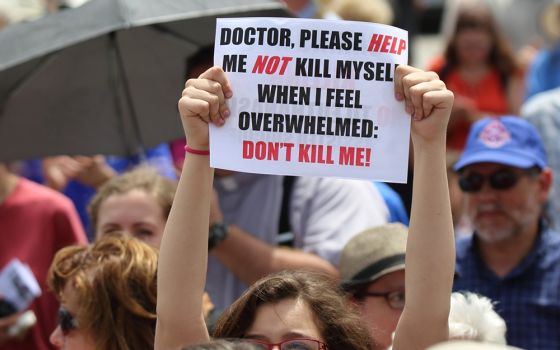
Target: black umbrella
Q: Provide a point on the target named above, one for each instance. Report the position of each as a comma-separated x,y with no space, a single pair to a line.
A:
104,77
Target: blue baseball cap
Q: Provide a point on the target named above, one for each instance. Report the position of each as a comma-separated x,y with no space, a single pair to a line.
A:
506,140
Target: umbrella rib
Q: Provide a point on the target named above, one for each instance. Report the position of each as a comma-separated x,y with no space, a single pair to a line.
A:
119,72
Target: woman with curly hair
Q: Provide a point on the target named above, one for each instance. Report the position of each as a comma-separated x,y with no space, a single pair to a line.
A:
107,292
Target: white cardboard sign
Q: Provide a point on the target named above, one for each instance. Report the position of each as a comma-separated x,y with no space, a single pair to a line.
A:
312,97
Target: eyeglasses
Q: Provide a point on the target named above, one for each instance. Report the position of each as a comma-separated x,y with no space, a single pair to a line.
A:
503,179
290,344
395,299
66,321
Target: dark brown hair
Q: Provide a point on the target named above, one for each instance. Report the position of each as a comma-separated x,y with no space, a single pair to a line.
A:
478,16
114,283
338,322
142,178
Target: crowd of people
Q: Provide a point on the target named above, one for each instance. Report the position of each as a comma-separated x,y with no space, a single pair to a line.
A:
164,252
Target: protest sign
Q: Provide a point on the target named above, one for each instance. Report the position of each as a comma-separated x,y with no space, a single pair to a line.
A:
312,97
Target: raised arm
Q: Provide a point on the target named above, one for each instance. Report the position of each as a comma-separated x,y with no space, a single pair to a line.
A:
184,248
430,251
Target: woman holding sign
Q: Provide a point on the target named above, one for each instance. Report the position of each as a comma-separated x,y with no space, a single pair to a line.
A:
296,310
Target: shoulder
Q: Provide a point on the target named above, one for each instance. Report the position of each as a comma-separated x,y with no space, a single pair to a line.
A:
32,193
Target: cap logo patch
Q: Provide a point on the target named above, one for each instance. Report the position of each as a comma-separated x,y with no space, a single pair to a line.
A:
494,135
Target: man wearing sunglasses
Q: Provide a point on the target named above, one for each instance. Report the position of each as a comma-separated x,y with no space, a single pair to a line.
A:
513,257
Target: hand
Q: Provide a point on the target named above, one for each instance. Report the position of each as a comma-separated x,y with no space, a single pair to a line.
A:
427,100
216,215
204,101
5,324
58,171
91,171
95,171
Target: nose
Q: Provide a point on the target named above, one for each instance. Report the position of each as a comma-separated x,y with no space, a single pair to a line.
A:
487,193
56,338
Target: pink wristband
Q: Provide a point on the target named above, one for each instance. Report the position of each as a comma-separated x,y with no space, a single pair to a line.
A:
197,151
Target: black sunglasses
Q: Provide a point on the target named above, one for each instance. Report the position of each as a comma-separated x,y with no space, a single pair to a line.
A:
502,179
66,321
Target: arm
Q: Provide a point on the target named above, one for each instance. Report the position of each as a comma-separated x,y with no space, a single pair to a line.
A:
239,251
430,251
184,248
327,212
515,93
5,323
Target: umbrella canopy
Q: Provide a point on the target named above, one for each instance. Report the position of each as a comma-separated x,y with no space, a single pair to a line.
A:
104,77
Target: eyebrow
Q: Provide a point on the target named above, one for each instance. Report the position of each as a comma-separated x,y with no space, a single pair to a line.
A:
289,335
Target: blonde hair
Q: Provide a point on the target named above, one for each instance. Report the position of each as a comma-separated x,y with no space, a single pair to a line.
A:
472,317
142,178
114,283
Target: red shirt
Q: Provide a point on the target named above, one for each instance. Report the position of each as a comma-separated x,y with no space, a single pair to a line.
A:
35,222
488,95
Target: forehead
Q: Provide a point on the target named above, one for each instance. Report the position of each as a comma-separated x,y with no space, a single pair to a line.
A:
130,201
283,320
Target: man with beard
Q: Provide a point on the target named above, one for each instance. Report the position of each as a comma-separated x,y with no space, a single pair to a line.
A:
513,257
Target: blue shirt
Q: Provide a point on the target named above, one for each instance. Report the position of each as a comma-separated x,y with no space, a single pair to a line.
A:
528,298
544,72
397,211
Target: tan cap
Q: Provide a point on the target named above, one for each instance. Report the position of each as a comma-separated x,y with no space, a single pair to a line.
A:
373,253
550,20
470,345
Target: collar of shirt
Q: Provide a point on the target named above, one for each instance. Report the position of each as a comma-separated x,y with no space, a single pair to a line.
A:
540,255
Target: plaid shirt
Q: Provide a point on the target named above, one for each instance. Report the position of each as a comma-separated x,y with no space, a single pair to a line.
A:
528,298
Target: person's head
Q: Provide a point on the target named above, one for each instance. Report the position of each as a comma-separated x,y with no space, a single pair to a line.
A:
472,317
137,203
107,292
294,305
504,176
476,40
372,274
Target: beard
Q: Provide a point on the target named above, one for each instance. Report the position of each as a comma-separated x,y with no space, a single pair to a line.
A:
494,224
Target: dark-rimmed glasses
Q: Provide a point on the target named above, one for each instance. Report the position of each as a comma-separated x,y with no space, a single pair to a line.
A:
66,321
395,298
501,180
290,344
